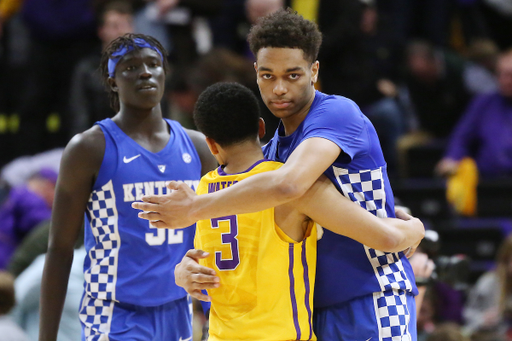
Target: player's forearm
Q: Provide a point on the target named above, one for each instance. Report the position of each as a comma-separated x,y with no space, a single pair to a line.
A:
254,194
53,292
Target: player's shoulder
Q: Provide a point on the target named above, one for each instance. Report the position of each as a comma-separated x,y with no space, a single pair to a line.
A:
336,106
88,144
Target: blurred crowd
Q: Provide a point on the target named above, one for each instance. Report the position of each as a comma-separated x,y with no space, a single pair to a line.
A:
433,76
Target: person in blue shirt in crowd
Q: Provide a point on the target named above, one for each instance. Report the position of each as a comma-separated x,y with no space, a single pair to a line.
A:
361,293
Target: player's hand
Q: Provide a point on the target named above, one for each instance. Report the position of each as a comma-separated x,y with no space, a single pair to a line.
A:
170,211
193,277
415,224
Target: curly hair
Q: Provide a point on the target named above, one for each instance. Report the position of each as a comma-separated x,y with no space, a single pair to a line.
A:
285,28
127,40
228,113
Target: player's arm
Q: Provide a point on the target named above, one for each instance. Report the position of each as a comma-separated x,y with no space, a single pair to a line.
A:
326,206
208,161
80,163
183,208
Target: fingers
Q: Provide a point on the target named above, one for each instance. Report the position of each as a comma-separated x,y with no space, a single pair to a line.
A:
200,296
161,224
174,185
198,254
145,206
152,216
401,214
155,199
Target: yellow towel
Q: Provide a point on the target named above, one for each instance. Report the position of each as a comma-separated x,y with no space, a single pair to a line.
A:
307,8
461,189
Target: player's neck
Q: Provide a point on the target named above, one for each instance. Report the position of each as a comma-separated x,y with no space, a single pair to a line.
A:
140,121
292,122
240,157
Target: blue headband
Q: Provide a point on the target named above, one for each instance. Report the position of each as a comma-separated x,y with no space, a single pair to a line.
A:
123,50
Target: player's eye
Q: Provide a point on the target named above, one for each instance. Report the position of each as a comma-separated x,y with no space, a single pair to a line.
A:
294,76
266,76
130,68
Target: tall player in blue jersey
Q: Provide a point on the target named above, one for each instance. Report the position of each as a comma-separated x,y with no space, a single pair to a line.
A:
361,293
129,291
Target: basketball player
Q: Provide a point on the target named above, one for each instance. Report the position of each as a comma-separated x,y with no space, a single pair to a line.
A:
129,283
267,260
318,134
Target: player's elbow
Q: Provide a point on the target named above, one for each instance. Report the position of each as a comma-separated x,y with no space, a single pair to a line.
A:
287,190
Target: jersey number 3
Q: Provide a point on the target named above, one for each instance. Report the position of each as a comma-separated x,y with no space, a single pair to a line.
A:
228,238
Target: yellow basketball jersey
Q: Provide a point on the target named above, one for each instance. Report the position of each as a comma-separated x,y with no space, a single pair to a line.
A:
266,278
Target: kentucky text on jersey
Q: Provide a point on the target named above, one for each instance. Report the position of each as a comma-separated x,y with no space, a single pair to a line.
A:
135,191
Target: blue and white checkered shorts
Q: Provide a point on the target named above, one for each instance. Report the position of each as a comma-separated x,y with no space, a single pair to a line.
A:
382,316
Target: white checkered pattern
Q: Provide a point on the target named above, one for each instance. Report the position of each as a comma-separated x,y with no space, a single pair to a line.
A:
96,317
366,187
100,277
389,270
393,315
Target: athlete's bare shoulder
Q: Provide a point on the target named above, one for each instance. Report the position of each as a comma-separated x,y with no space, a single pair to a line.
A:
86,150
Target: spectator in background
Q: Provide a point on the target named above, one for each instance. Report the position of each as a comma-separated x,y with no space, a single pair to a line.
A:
479,73
218,65
60,34
28,293
25,207
89,99
485,131
489,303
9,330
231,26
448,331
436,88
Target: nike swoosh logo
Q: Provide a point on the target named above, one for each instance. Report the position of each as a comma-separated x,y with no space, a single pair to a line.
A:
125,160
190,338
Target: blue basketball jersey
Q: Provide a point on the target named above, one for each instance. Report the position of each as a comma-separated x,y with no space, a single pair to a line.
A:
347,269
127,260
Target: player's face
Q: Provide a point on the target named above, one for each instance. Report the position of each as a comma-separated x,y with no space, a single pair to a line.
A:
286,80
140,79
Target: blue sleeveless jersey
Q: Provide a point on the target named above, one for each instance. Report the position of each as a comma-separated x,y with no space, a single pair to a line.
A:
127,260
347,269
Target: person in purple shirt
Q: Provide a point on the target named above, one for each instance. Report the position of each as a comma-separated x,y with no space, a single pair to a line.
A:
485,131
24,208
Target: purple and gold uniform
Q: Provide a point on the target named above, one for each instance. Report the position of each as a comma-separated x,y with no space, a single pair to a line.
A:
266,278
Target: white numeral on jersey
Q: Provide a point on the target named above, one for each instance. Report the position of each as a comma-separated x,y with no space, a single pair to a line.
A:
174,236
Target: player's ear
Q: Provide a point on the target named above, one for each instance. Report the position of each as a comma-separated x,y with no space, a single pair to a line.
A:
256,67
314,71
212,146
112,83
261,130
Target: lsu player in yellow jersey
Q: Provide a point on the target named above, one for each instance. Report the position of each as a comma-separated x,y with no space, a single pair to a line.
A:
266,260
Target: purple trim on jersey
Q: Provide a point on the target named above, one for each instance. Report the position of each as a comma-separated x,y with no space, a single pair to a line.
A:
308,291
292,292
221,172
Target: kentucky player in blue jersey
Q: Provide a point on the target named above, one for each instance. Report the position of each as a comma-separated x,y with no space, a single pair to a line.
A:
129,291
361,293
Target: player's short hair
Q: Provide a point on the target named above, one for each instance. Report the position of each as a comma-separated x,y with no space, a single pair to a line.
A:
127,40
7,297
228,113
287,29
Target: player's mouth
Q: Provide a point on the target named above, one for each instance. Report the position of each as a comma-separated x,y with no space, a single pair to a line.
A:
147,87
281,104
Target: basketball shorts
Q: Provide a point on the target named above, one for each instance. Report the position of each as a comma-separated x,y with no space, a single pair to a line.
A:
382,316
104,320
